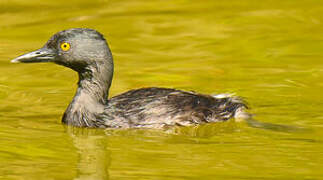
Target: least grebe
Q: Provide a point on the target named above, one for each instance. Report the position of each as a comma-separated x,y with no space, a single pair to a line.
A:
87,52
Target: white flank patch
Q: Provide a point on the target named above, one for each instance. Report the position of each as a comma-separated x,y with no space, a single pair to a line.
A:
220,96
241,115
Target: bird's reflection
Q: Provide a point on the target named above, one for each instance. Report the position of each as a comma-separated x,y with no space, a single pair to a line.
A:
93,154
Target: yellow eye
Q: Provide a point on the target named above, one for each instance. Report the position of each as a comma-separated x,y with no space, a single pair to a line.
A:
65,46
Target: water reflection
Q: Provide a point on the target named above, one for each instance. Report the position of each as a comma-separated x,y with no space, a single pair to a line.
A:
276,127
93,154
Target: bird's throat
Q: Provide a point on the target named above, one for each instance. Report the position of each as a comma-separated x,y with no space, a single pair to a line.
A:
90,98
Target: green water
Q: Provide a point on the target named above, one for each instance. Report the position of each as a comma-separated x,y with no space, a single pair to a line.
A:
269,52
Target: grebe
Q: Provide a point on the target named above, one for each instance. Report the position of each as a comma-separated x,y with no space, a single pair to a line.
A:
87,52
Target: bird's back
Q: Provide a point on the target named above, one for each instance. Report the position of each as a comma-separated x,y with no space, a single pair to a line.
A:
163,107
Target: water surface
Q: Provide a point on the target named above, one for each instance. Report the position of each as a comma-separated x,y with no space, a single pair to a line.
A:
268,52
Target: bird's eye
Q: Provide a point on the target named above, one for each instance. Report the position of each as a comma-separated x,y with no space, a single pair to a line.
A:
65,46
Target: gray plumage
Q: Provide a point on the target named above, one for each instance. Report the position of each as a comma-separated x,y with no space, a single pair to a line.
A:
90,56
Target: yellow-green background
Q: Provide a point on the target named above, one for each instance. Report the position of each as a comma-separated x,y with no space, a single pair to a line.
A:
269,52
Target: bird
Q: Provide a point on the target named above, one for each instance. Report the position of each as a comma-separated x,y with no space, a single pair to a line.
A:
87,52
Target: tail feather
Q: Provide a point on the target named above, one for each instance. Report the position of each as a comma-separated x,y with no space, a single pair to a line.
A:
234,106
241,114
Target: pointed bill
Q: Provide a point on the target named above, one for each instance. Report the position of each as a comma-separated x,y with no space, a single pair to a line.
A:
41,55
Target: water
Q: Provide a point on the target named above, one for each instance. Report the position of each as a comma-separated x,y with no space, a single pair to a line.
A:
268,52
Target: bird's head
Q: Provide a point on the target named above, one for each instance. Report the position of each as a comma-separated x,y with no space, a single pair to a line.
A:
77,48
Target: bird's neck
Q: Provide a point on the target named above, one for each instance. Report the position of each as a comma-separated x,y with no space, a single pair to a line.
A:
95,82
91,96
